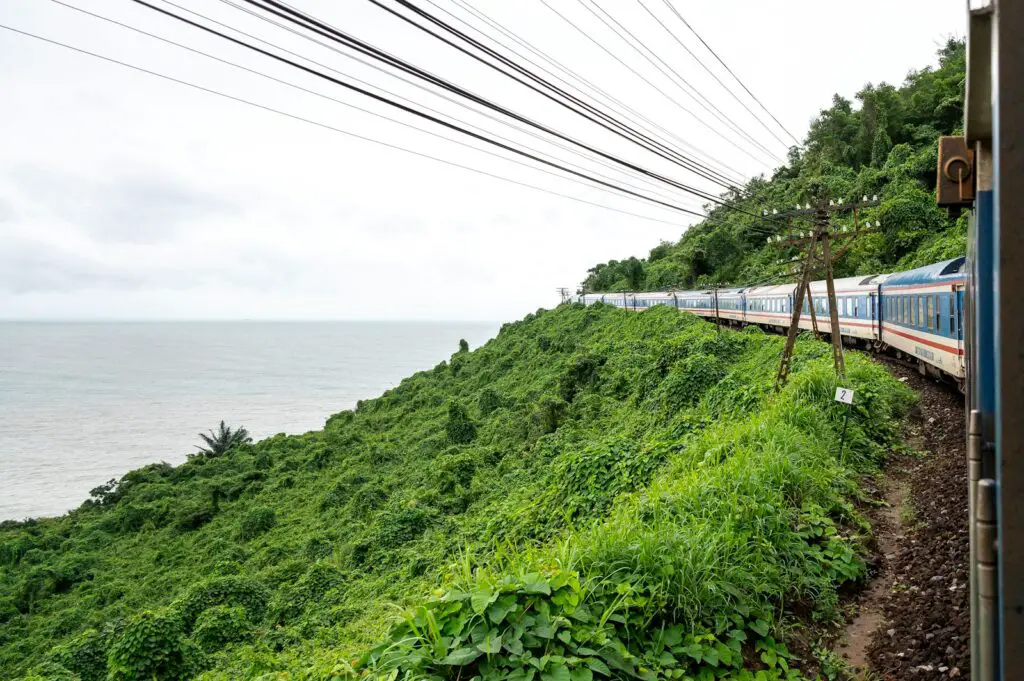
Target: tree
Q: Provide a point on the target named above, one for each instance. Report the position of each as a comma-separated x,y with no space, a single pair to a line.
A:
463,345
224,440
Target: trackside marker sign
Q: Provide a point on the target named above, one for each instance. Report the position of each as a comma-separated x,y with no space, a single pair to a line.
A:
844,395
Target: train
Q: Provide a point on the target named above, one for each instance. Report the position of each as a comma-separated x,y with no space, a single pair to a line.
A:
918,315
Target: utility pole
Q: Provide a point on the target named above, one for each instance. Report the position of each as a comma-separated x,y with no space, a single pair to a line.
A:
794,321
822,231
564,293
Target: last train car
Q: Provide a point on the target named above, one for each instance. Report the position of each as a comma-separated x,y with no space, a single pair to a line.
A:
922,316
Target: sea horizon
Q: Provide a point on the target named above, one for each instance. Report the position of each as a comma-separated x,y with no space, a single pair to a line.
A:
84,401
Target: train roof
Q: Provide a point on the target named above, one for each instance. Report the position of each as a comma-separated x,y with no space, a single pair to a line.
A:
861,284
777,290
929,274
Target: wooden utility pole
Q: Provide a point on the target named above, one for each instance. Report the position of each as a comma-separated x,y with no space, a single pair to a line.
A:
822,231
794,321
830,284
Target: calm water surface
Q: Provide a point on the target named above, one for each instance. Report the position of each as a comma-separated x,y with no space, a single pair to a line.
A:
83,403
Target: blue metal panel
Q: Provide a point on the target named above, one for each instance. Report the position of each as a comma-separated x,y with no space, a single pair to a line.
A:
940,272
984,294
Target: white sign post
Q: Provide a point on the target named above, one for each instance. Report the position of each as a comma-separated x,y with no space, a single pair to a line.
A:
844,395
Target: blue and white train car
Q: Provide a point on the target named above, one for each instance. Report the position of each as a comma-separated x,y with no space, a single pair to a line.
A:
731,304
700,303
857,302
770,305
922,313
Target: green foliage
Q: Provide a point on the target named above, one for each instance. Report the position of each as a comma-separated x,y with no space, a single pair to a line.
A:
887,147
152,646
258,521
459,428
220,625
630,475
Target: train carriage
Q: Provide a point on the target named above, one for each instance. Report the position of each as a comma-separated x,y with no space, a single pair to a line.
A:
922,315
770,305
700,303
857,307
731,304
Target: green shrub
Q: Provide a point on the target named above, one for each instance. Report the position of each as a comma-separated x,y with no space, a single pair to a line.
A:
257,522
151,646
459,429
85,655
220,625
232,590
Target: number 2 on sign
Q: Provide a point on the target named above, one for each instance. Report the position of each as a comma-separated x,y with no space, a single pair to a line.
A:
844,395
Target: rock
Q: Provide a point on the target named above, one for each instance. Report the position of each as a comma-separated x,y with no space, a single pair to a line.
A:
943,670
891,632
954,672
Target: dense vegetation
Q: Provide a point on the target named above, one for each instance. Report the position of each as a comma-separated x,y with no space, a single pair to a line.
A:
887,146
592,493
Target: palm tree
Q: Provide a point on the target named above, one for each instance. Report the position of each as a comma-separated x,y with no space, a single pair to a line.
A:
225,439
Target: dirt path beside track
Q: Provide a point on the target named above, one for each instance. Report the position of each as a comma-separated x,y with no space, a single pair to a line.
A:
913,620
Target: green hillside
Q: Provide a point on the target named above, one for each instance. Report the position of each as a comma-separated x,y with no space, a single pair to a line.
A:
886,145
590,493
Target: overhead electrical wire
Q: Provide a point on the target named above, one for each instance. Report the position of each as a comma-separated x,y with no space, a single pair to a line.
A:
301,19
621,129
397,76
616,102
310,23
420,86
325,126
714,75
376,114
652,85
671,73
726,67
407,109
367,111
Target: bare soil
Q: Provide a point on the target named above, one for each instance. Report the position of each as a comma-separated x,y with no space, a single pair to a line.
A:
913,620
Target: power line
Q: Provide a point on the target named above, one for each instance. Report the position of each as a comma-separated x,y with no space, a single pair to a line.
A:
412,110
321,28
413,83
622,130
652,85
358,108
664,135
711,73
328,127
686,86
726,67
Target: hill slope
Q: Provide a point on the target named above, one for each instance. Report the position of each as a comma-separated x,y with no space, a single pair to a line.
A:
887,146
583,481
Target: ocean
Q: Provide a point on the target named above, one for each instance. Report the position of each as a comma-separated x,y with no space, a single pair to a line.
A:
81,403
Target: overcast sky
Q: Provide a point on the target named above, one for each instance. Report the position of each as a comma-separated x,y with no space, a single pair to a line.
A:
124,196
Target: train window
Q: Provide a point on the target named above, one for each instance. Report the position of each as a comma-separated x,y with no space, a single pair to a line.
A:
931,312
938,313
904,313
856,307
